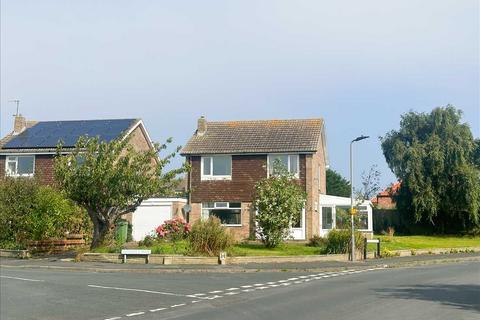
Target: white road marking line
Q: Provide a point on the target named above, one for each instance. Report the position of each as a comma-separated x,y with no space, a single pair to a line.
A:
258,284
303,277
262,288
248,290
246,286
291,279
22,279
217,291
274,285
135,314
114,318
196,301
286,284
271,282
298,282
140,290
156,310
231,293
198,294
178,305
231,289
213,297
282,281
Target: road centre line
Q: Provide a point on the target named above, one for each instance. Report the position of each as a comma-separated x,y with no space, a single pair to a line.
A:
114,318
22,279
142,290
159,309
178,305
135,314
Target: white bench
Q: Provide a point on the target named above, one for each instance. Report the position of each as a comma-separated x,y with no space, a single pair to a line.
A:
136,252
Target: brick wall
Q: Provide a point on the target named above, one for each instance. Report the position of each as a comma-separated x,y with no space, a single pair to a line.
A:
44,169
246,171
2,166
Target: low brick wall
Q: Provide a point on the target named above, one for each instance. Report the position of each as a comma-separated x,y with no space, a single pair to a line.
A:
286,259
18,254
154,259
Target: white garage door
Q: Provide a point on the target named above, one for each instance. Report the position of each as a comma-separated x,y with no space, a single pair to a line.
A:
147,217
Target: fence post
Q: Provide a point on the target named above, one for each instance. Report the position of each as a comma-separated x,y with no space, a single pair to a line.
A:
365,244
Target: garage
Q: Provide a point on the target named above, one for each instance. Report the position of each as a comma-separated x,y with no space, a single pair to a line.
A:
154,212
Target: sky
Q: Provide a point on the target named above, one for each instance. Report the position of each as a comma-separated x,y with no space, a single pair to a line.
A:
357,64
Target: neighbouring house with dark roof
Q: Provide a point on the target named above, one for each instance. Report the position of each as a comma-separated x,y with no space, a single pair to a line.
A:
30,148
228,158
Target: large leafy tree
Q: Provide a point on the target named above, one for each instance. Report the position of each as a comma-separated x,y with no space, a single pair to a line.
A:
279,201
337,185
112,179
434,157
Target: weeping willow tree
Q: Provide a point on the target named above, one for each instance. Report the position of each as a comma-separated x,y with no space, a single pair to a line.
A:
436,158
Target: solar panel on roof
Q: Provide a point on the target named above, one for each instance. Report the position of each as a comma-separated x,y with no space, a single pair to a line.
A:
48,134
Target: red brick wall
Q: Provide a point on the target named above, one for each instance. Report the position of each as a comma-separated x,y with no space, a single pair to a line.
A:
2,166
246,171
44,168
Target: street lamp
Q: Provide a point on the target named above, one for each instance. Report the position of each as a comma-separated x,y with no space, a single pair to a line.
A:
362,137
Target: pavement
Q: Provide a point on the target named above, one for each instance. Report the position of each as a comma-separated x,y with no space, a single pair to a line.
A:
428,287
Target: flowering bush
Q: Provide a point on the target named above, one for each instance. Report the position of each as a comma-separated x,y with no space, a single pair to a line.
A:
174,230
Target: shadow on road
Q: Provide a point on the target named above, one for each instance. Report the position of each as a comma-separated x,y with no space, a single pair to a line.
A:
462,296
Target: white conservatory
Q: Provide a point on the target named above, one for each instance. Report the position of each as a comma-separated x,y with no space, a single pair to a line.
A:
333,211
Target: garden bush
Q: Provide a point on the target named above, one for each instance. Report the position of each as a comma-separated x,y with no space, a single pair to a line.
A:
173,230
317,241
30,211
338,241
209,237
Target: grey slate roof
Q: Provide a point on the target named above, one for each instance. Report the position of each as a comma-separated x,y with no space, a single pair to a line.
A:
258,136
45,135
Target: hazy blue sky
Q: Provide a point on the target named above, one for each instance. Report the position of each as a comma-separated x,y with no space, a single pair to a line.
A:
358,64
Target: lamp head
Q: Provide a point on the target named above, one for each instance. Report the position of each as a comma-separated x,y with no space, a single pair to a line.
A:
362,137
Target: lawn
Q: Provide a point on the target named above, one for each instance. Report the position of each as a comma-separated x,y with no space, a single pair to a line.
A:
295,249
427,242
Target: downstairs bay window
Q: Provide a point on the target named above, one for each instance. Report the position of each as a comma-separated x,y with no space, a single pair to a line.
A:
229,213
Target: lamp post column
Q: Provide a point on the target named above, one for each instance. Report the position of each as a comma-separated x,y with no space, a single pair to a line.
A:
351,202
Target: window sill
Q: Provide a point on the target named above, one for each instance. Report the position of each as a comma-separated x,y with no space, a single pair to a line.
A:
216,178
20,175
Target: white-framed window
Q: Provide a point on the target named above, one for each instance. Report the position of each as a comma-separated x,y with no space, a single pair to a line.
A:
216,167
229,213
20,166
327,217
291,162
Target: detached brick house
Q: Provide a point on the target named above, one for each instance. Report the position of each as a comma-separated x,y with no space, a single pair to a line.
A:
30,148
228,158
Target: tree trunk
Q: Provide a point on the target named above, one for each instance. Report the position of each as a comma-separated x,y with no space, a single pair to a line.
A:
101,230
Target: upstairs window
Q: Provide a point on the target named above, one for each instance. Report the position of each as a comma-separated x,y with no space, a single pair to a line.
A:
19,166
217,168
290,162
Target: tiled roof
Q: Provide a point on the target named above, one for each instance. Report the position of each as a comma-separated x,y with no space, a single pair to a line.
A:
257,136
45,135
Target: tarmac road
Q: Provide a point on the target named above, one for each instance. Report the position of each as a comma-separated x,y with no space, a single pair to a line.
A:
443,291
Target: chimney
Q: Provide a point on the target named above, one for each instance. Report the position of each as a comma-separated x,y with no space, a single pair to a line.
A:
20,124
201,126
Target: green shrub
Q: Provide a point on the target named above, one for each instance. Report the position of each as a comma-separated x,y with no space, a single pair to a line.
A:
209,237
317,241
388,253
30,211
338,241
